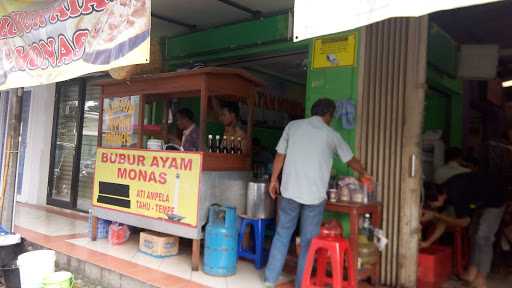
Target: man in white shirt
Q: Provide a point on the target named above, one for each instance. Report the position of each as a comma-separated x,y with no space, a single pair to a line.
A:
452,167
304,154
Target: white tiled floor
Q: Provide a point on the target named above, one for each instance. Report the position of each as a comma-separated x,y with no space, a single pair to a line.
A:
47,223
55,225
247,276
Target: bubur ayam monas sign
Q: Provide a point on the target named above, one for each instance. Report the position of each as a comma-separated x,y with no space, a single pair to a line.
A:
58,40
156,184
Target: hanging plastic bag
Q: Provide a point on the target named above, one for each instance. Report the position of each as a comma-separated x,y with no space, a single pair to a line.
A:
346,113
379,239
118,233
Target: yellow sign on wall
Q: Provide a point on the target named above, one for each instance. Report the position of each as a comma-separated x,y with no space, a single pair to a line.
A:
120,120
334,51
156,184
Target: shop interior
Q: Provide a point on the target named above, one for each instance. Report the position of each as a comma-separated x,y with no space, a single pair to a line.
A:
279,101
470,65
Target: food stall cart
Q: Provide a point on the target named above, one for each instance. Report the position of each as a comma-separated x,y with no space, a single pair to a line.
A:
167,191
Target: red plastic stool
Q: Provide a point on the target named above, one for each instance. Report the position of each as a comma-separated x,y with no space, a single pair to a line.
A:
460,248
329,247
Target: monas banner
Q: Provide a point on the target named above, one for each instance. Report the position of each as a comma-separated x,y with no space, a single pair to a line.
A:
156,184
46,41
322,17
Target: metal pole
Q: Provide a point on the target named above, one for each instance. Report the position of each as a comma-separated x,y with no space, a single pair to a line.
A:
11,156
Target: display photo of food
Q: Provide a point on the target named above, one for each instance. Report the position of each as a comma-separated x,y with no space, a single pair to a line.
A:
121,28
7,59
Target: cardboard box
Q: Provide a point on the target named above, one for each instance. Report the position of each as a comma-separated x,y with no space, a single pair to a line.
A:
158,244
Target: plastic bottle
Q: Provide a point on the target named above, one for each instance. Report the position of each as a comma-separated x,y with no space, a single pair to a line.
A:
217,144
211,144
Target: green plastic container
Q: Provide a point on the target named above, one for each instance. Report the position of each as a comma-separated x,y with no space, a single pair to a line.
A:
61,279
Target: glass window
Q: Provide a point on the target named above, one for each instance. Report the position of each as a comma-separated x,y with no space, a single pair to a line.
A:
65,143
74,146
88,147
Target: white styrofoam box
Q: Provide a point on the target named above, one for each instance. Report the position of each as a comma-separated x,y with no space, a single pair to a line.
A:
478,62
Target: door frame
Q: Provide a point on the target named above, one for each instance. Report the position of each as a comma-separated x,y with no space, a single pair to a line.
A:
72,203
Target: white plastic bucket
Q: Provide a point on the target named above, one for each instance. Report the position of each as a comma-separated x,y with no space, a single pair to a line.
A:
34,266
155,144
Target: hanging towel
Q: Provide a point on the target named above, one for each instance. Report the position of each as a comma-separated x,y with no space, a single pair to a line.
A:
346,113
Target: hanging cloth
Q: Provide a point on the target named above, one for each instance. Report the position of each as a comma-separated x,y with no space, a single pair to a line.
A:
346,113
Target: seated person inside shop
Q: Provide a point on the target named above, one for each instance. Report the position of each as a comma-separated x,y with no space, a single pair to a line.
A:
229,115
477,200
453,166
190,132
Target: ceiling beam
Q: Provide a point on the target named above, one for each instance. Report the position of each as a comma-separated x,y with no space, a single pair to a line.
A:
234,4
174,21
275,75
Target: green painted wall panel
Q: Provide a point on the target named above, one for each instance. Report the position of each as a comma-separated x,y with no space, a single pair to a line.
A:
456,127
239,54
338,84
443,82
437,108
444,103
230,37
442,51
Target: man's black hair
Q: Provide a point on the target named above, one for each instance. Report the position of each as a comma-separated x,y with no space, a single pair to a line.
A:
322,107
453,154
470,159
432,191
232,107
187,113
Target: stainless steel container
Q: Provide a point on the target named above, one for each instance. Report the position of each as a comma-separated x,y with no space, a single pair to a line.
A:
259,203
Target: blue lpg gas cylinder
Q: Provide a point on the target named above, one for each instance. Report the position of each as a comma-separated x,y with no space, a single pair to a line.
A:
220,252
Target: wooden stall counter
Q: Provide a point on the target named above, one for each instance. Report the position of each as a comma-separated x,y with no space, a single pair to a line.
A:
181,191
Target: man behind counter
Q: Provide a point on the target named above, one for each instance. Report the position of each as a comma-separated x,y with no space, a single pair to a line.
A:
229,115
190,137
304,154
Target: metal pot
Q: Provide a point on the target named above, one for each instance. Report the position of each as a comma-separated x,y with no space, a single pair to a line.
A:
259,203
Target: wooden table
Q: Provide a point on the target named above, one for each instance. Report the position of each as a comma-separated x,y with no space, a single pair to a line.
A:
356,211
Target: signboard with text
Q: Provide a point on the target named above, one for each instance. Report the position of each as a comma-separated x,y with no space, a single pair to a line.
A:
49,41
120,122
156,184
334,51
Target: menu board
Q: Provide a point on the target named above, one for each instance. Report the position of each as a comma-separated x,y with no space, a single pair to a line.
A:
120,120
